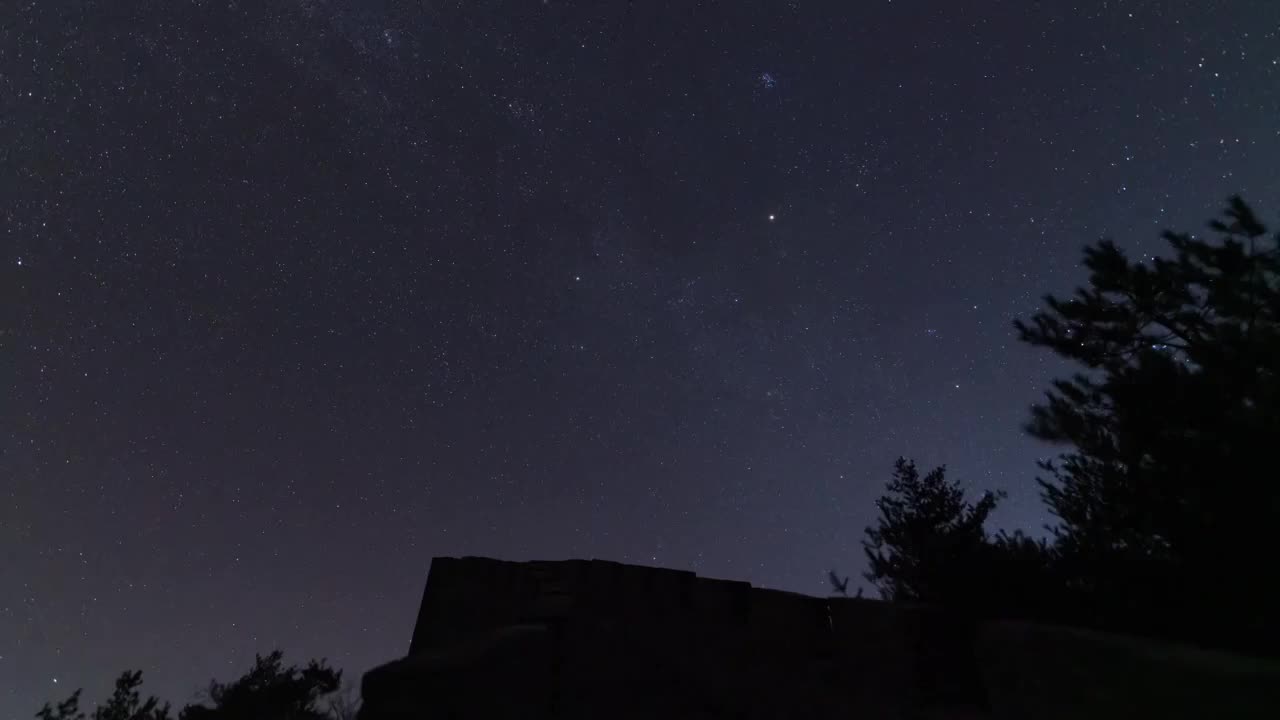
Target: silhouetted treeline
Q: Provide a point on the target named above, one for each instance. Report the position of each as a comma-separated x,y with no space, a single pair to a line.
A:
1166,491
269,691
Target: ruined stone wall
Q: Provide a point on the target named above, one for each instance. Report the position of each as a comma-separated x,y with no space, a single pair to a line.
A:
666,638
591,639
465,595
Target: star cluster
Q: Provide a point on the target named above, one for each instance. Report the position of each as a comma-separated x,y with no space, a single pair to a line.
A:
300,293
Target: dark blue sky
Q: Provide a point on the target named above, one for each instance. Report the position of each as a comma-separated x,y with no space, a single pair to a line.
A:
295,295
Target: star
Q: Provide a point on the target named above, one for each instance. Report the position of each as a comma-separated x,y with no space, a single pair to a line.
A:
772,217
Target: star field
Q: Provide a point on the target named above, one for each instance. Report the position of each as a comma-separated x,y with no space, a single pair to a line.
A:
297,294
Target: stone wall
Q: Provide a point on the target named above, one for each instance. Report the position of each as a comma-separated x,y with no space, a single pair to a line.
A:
596,639
601,633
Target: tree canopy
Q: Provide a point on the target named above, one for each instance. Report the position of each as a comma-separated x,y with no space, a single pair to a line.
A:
1165,491
269,691
125,703
927,533
1164,497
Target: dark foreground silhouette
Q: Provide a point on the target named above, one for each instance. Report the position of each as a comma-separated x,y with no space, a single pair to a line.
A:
269,691
590,639
595,639
1165,493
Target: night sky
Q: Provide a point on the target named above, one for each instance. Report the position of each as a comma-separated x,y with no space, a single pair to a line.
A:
297,294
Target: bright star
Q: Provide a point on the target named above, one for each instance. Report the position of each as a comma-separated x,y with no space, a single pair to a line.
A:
772,217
